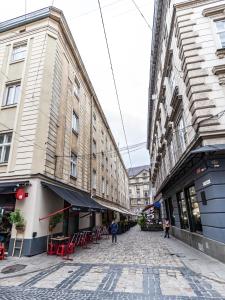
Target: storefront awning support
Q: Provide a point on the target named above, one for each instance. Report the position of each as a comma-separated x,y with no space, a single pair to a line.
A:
55,213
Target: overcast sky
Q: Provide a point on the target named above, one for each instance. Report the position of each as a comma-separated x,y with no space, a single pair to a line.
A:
129,39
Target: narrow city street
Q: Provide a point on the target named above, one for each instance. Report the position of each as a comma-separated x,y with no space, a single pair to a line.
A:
142,265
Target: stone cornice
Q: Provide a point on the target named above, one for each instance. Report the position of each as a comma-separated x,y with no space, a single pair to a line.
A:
215,10
219,69
192,3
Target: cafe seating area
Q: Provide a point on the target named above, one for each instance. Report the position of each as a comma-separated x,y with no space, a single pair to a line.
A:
62,245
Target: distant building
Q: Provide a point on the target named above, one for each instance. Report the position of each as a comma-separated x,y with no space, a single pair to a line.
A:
186,121
139,188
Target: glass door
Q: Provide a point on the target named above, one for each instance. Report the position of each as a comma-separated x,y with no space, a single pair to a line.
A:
183,212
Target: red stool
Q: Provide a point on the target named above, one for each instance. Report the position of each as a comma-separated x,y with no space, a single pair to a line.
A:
62,250
51,249
71,248
2,252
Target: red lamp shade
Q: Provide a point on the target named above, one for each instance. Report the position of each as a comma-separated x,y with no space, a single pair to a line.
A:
20,194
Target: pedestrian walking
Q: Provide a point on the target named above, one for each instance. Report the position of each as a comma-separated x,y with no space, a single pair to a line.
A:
167,228
114,229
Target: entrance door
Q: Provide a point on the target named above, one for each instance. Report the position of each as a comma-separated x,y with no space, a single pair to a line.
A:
195,218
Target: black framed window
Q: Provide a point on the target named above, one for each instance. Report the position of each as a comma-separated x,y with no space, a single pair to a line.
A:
196,224
183,212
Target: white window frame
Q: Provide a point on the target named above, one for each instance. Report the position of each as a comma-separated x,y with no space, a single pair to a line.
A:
73,165
75,122
4,145
181,133
94,179
103,185
219,32
19,52
76,88
12,98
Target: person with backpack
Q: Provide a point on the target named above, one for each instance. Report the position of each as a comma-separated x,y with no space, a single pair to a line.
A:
114,230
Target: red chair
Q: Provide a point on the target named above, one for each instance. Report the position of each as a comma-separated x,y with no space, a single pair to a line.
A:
51,249
62,250
2,252
71,248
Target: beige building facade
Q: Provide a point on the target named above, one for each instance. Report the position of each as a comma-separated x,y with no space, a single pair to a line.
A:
186,121
53,129
140,191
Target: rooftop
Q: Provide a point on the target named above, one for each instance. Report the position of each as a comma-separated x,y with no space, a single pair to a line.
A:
136,170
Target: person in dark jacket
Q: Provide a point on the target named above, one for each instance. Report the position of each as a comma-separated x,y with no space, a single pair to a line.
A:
114,229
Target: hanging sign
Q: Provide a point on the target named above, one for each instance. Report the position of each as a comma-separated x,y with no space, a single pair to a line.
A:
20,194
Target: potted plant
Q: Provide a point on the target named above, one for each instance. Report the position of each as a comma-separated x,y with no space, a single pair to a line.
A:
54,220
142,221
17,219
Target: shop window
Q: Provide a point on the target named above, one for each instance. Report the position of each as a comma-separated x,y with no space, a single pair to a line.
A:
196,224
5,143
19,52
12,94
182,207
73,165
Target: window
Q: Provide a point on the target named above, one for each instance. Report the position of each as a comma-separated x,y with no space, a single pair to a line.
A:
220,26
182,137
107,188
196,224
5,142
19,52
138,193
171,154
76,89
94,179
103,185
94,121
182,207
75,122
146,194
172,79
130,191
12,94
94,148
73,165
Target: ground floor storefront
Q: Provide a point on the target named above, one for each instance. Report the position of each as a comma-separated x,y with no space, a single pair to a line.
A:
42,200
194,201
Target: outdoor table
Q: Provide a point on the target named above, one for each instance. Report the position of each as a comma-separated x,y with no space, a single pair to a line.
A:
60,239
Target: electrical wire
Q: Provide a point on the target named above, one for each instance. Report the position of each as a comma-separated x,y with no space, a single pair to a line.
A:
140,12
114,80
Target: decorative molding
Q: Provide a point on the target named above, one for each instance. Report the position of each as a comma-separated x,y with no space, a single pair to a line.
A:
215,10
220,71
220,52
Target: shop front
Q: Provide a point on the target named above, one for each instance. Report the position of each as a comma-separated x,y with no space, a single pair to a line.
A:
8,198
194,201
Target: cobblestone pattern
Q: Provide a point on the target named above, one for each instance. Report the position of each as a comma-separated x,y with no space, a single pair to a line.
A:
109,272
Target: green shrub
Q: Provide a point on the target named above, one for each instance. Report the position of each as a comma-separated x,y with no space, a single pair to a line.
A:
17,218
142,220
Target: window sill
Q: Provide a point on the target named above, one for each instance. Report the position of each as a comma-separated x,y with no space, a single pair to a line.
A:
2,164
8,106
17,61
73,177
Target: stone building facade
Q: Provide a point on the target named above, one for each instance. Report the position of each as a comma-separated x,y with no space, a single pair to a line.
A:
186,121
140,192
52,127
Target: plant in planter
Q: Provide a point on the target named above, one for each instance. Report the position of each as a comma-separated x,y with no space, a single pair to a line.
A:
17,219
142,221
54,221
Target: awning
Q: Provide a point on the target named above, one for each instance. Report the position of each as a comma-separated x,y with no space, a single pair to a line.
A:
11,187
210,148
112,207
79,200
156,205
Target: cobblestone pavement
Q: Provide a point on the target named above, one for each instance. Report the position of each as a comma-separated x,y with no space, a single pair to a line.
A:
140,266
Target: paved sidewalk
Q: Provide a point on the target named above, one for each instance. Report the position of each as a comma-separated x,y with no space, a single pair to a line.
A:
143,265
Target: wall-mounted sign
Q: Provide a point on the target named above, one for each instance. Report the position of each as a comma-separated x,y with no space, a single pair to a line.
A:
20,194
206,182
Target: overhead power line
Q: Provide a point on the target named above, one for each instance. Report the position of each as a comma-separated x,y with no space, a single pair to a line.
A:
140,12
114,80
